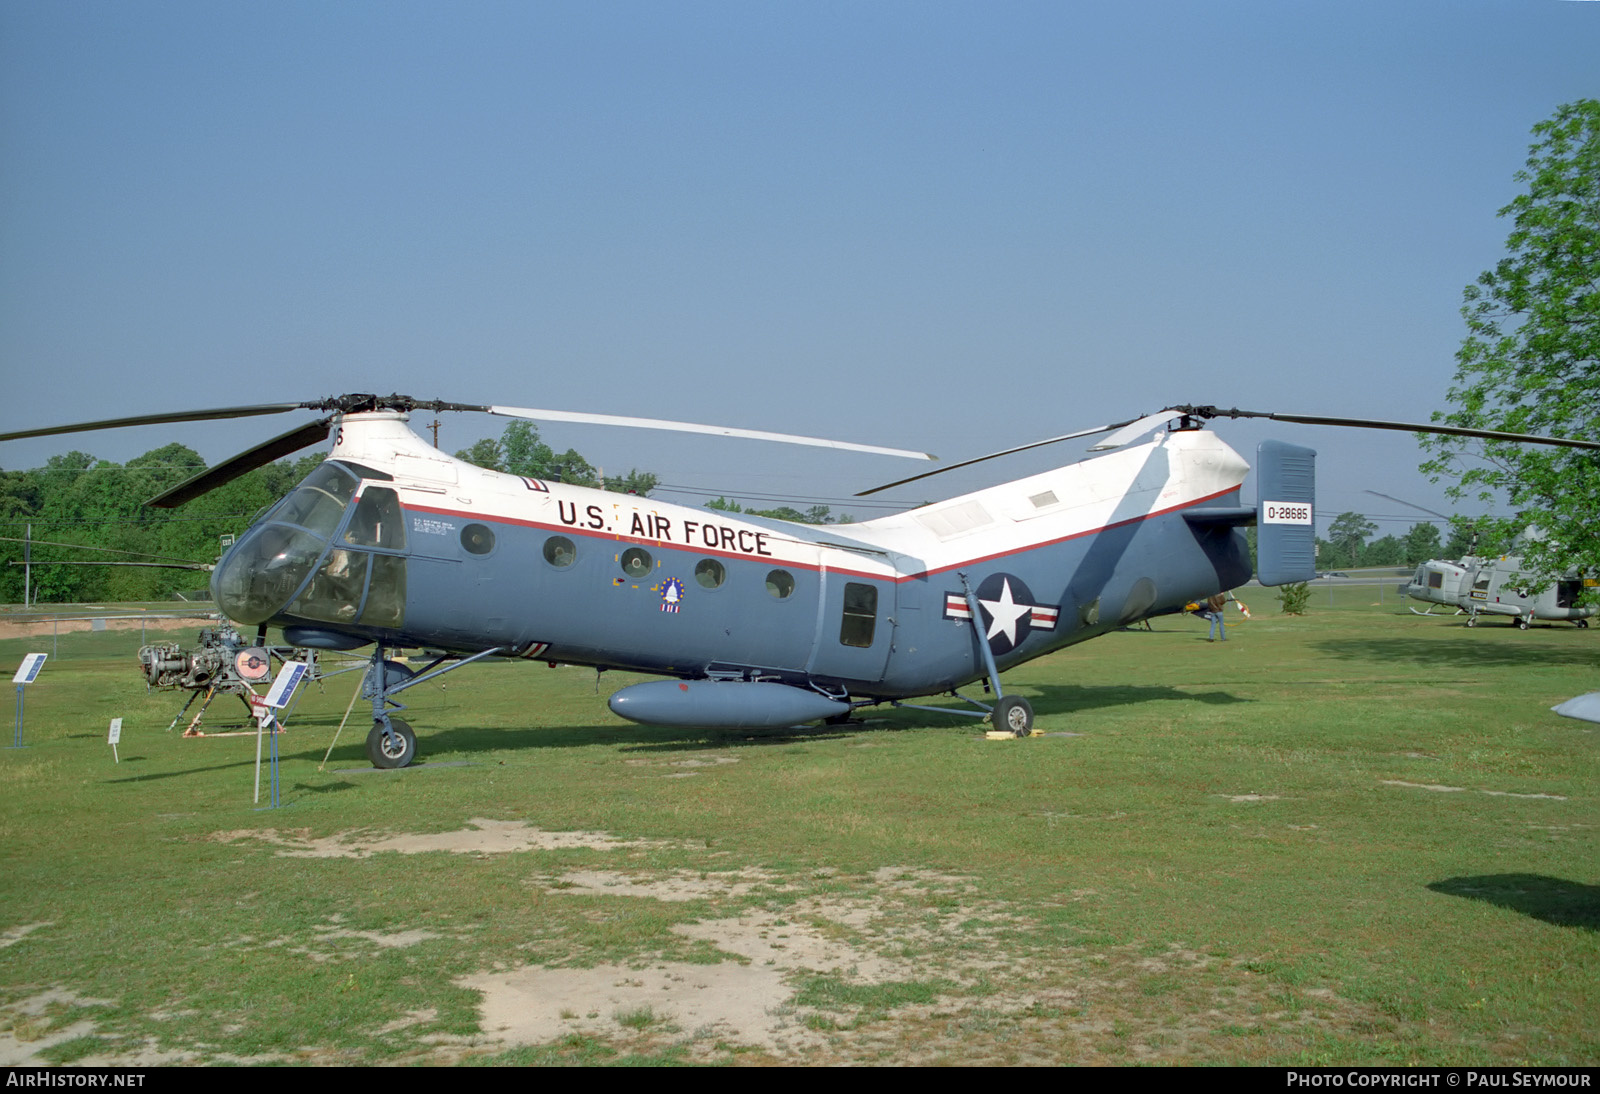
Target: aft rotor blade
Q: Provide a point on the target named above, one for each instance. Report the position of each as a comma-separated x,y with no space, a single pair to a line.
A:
262,454
157,419
690,427
997,455
1401,427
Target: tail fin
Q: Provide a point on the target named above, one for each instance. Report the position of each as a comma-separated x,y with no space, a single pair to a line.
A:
1286,534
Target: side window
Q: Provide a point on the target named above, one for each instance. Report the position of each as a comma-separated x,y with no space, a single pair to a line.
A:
710,573
860,614
636,562
560,552
478,539
780,584
377,521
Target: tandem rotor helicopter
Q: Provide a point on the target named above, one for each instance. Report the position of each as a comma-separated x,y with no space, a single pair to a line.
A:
752,622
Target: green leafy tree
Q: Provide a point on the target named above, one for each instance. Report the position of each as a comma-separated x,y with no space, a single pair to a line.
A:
525,453
1530,362
1422,543
1349,532
1388,551
485,453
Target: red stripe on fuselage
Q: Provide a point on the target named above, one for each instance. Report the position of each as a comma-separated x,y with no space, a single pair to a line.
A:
617,537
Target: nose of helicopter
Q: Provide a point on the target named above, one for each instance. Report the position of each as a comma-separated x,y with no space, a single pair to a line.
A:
257,578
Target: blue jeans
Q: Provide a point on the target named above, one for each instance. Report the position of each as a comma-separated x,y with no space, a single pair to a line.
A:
1217,626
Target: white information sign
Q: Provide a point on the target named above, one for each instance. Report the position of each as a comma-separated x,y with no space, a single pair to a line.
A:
289,678
29,671
1286,512
116,731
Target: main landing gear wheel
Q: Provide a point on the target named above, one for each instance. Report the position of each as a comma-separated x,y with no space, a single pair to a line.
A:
1522,622
1472,621
1583,624
394,749
1014,715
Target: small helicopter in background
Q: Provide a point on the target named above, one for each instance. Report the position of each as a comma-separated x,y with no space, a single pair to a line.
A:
1500,586
1495,585
751,622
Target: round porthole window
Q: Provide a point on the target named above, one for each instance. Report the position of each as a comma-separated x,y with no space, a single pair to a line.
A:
478,539
780,583
636,562
710,573
560,552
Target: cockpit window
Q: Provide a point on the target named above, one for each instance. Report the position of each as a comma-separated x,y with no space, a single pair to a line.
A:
293,564
377,521
319,502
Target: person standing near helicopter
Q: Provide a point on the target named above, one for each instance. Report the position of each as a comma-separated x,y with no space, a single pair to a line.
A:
1211,612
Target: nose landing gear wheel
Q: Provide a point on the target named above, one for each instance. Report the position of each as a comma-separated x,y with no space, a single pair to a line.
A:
1013,715
396,748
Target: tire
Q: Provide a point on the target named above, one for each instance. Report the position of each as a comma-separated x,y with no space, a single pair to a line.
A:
1583,624
1014,715
1522,622
1472,621
390,750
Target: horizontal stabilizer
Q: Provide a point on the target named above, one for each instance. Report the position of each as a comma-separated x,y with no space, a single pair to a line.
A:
1233,516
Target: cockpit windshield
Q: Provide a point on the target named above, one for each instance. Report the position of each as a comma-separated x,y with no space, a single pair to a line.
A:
296,562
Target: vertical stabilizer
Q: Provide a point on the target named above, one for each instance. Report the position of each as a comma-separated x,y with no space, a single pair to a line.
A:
1286,535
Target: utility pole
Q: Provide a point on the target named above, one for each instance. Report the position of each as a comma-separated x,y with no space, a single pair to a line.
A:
434,425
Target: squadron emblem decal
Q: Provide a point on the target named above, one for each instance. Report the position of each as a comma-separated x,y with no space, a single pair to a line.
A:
671,594
1009,609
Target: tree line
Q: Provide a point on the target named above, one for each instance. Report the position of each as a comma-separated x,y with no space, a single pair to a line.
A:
98,507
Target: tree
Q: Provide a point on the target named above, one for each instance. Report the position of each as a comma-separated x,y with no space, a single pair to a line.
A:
1530,362
1349,532
485,453
1422,543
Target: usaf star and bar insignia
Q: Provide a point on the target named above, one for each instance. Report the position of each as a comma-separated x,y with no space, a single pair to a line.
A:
1010,610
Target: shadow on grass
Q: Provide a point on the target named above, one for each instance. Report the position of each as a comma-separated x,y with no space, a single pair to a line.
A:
1486,651
1073,699
434,744
1554,900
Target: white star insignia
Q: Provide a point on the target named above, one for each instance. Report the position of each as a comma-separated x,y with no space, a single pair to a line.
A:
1004,613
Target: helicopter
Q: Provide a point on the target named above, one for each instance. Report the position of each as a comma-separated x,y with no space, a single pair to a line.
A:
1500,586
751,622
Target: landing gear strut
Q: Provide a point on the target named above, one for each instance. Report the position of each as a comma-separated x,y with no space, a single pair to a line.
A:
391,742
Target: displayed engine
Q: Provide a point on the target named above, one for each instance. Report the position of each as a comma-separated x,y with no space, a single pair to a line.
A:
221,660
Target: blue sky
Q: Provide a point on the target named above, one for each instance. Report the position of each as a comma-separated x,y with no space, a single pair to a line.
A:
953,227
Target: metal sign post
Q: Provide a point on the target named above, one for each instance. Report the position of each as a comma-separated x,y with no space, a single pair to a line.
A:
283,689
26,674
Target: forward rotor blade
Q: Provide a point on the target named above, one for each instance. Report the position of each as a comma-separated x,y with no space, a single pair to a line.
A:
1134,430
262,454
157,419
690,427
997,455
1401,427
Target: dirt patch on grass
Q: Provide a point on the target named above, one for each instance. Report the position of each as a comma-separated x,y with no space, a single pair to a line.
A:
19,629
1463,790
482,837
12,935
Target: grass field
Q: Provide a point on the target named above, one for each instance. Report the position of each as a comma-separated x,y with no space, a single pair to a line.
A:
1353,837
